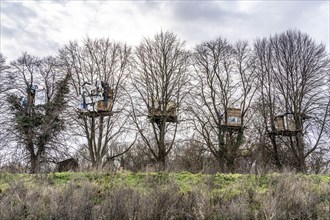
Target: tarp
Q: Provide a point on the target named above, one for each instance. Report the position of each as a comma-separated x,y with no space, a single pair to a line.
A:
92,94
40,97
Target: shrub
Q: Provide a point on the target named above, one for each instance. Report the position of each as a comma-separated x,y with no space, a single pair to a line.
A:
164,196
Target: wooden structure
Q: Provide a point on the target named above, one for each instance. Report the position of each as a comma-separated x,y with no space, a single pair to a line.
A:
234,119
157,113
105,104
95,113
96,101
285,124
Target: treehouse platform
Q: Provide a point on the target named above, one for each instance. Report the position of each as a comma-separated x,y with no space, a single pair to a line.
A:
230,127
158,118
286,133
95,114
159,112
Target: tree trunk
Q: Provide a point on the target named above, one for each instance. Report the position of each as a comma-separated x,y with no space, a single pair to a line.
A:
301,164
162,147
275,154
35,163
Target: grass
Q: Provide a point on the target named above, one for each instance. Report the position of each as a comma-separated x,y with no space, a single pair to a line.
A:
128,195
184,180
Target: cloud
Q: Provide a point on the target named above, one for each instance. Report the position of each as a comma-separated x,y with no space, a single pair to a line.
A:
43,27
13,24
210,12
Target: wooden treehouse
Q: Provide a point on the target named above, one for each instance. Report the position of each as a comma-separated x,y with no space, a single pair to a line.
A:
285,124
96,100
158,112
233,120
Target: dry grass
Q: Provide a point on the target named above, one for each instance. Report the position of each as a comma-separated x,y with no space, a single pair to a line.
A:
165,196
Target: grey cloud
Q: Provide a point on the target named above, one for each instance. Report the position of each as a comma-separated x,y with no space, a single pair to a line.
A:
212,12
18,17
203,21
193,21
200,21
61,2
146,6
271,17
17,10
32,42
17,13
7,31
25,27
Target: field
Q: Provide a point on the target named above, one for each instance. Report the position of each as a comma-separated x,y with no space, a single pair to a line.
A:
126,195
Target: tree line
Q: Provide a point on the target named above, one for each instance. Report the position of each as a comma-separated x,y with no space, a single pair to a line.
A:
283,78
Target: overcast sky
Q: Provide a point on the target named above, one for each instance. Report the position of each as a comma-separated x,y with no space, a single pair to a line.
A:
42,27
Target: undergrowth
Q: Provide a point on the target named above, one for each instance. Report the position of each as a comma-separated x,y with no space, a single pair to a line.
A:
160,195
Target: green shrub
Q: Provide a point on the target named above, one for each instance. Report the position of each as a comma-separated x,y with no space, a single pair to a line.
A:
163,196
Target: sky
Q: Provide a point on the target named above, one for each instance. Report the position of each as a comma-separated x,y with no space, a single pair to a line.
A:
41,28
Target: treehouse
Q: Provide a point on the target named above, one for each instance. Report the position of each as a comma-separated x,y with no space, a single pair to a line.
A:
233,120
158,112
36,95
285,124
97,99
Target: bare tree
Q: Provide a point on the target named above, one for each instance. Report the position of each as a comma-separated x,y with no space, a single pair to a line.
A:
292,71
4,86
3,65
109,62
224,83
3,76
36,125
160,85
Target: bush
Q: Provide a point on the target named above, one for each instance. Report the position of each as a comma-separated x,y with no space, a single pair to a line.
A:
164,196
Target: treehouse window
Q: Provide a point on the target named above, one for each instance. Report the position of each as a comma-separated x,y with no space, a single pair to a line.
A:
234,120
234,117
